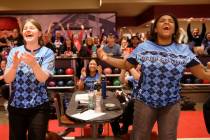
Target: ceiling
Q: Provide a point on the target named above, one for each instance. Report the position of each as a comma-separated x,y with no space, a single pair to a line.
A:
123,8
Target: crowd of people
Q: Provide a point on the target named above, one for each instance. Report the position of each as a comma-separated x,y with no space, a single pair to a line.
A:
155,61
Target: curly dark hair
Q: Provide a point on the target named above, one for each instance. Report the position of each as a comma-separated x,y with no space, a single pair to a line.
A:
153,34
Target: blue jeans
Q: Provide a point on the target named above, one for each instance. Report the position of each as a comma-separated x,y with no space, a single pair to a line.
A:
28,124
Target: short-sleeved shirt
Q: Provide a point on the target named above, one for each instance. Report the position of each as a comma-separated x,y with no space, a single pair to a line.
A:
114,50
90,82
26,90
162,68
134,85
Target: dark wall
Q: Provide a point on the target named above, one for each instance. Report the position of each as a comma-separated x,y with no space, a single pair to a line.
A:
180,11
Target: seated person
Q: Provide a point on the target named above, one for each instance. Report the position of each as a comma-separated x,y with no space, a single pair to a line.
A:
89,76
127,116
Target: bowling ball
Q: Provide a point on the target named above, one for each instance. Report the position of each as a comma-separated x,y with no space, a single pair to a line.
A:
60,83
206,82
116,71
70,83
107,70
69,71
188,81
197,81
51,83
60,71
116,82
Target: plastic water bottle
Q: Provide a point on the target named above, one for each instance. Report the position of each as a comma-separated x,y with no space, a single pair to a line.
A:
91,99
98,101
103,86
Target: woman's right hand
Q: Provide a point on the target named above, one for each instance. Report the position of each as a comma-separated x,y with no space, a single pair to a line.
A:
83,72
101,54
16,59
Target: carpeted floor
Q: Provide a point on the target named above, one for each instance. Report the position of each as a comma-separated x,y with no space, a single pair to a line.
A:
191,125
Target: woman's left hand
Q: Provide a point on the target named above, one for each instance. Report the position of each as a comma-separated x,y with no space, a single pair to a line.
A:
99,68
29,59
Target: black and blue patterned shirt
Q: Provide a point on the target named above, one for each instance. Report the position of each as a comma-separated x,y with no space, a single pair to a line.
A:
90,82
26,90
162,68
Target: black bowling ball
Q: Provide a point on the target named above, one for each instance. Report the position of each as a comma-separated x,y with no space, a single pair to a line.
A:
60,83
70,83
197,81
60,71
188,81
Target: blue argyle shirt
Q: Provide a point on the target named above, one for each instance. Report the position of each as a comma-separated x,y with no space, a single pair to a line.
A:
134,84
26,90
90,80
162,68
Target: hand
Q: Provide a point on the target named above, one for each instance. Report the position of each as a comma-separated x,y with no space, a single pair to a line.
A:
83,72
203,20
29,59
190,19
101,54
198,50
60,24
18,19
125,56
52,23
99,68
16,59
68,26
181,30
82,27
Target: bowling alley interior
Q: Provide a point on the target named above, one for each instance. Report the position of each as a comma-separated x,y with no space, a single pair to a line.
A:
106,65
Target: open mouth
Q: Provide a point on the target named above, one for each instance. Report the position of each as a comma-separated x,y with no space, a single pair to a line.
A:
166,28
28,34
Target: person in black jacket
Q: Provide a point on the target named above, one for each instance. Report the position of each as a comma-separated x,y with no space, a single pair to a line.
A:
194,38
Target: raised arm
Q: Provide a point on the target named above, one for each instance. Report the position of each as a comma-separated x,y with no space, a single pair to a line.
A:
50,28
62,28
20,25
189,33
203,32
80,83
115,62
